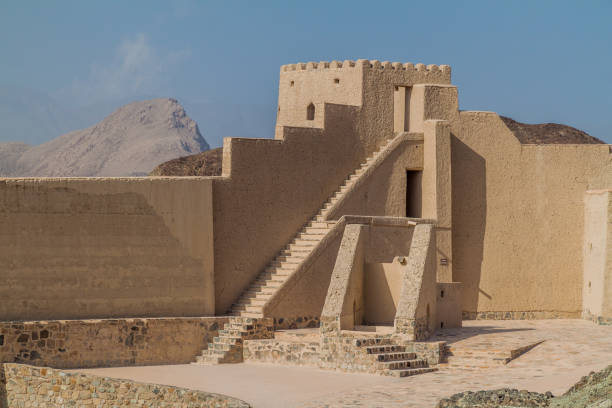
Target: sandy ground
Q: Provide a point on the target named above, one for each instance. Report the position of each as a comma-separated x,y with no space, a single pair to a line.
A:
572,348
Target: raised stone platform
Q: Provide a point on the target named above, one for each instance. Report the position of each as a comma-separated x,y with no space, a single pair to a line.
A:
478,346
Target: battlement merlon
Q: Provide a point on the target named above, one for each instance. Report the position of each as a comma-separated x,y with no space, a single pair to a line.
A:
440,74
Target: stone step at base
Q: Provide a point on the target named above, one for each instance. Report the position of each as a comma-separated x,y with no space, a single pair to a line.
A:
200,360
231,332
385,349
227,340
410,372
404,364
247,314
372,341
384,357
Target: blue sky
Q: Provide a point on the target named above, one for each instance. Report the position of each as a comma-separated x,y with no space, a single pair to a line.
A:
540,61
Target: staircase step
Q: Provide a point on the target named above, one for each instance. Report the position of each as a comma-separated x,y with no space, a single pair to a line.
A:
272,285
261,284
278,271
411,371
384,357
302,244
290,258
230,332
263,279
248,309
317,224
251,314
385,349
404,364
317,231
248,302
259,291
230,341
299,249
372,341
280,274
309,237
288,263
204,360
220,346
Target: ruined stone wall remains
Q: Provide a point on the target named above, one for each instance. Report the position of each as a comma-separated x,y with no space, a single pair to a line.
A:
107,342
27,386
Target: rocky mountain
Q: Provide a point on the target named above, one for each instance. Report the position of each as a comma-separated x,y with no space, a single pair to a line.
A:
129,142
9,154
548,133
208,163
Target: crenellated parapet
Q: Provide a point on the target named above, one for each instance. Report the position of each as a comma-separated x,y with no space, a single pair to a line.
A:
370,84
366,64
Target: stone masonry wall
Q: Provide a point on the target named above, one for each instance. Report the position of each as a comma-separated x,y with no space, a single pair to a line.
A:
26,386
282,352
107,342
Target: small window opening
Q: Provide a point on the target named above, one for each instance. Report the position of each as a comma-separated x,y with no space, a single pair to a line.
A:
292,83
441,325
442,294
310,112
337,81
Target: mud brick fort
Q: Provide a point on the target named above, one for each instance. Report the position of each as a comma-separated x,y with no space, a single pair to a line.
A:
379,214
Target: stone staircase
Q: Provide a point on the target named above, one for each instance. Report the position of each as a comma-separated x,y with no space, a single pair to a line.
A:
391,359
251,303
227,347
484,355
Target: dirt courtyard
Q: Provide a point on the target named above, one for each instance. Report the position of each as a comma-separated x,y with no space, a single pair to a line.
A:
570,350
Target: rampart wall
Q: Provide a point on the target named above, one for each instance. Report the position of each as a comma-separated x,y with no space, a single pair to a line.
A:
87,248
518,219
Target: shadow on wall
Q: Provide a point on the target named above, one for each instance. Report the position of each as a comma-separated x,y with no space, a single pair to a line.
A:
3,397
110,260
469,194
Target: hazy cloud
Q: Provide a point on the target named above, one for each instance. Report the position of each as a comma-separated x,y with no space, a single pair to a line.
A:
136,68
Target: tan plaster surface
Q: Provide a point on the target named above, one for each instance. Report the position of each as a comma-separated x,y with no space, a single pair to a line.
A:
518,217
572,349
82,248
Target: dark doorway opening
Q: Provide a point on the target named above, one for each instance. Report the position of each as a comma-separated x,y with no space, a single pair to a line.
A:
414,179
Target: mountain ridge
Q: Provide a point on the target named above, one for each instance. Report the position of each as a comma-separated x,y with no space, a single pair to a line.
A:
131,141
